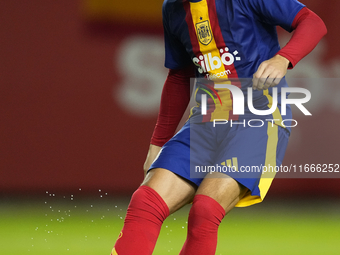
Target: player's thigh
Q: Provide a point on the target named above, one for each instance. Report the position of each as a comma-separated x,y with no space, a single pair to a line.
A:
222,188
175,190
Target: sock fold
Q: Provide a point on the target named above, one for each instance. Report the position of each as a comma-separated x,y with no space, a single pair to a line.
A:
205,217
144,218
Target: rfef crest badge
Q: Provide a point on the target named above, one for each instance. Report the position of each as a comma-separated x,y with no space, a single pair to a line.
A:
203,31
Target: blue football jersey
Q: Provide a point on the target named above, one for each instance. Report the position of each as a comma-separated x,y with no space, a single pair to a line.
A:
226,40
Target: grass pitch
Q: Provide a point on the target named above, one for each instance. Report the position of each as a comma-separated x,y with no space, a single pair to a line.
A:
70,225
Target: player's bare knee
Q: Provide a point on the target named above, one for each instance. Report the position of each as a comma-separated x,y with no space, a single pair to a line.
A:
222,188
175,191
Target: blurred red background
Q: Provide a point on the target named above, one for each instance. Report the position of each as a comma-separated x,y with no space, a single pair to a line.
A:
80,83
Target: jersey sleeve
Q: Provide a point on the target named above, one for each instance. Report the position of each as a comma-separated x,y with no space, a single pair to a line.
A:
309,29
176,56
174,101
273,12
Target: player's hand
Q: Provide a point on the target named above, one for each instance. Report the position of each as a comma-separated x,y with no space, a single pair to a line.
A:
270,72
152,154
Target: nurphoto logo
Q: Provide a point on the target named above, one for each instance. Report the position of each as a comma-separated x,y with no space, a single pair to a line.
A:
238,103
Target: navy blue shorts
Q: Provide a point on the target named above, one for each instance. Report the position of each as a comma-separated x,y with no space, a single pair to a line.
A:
247,154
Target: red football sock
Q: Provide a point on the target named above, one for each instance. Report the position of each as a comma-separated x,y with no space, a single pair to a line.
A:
204,218
145,215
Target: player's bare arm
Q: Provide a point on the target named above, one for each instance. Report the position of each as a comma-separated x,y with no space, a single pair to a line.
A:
270,72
